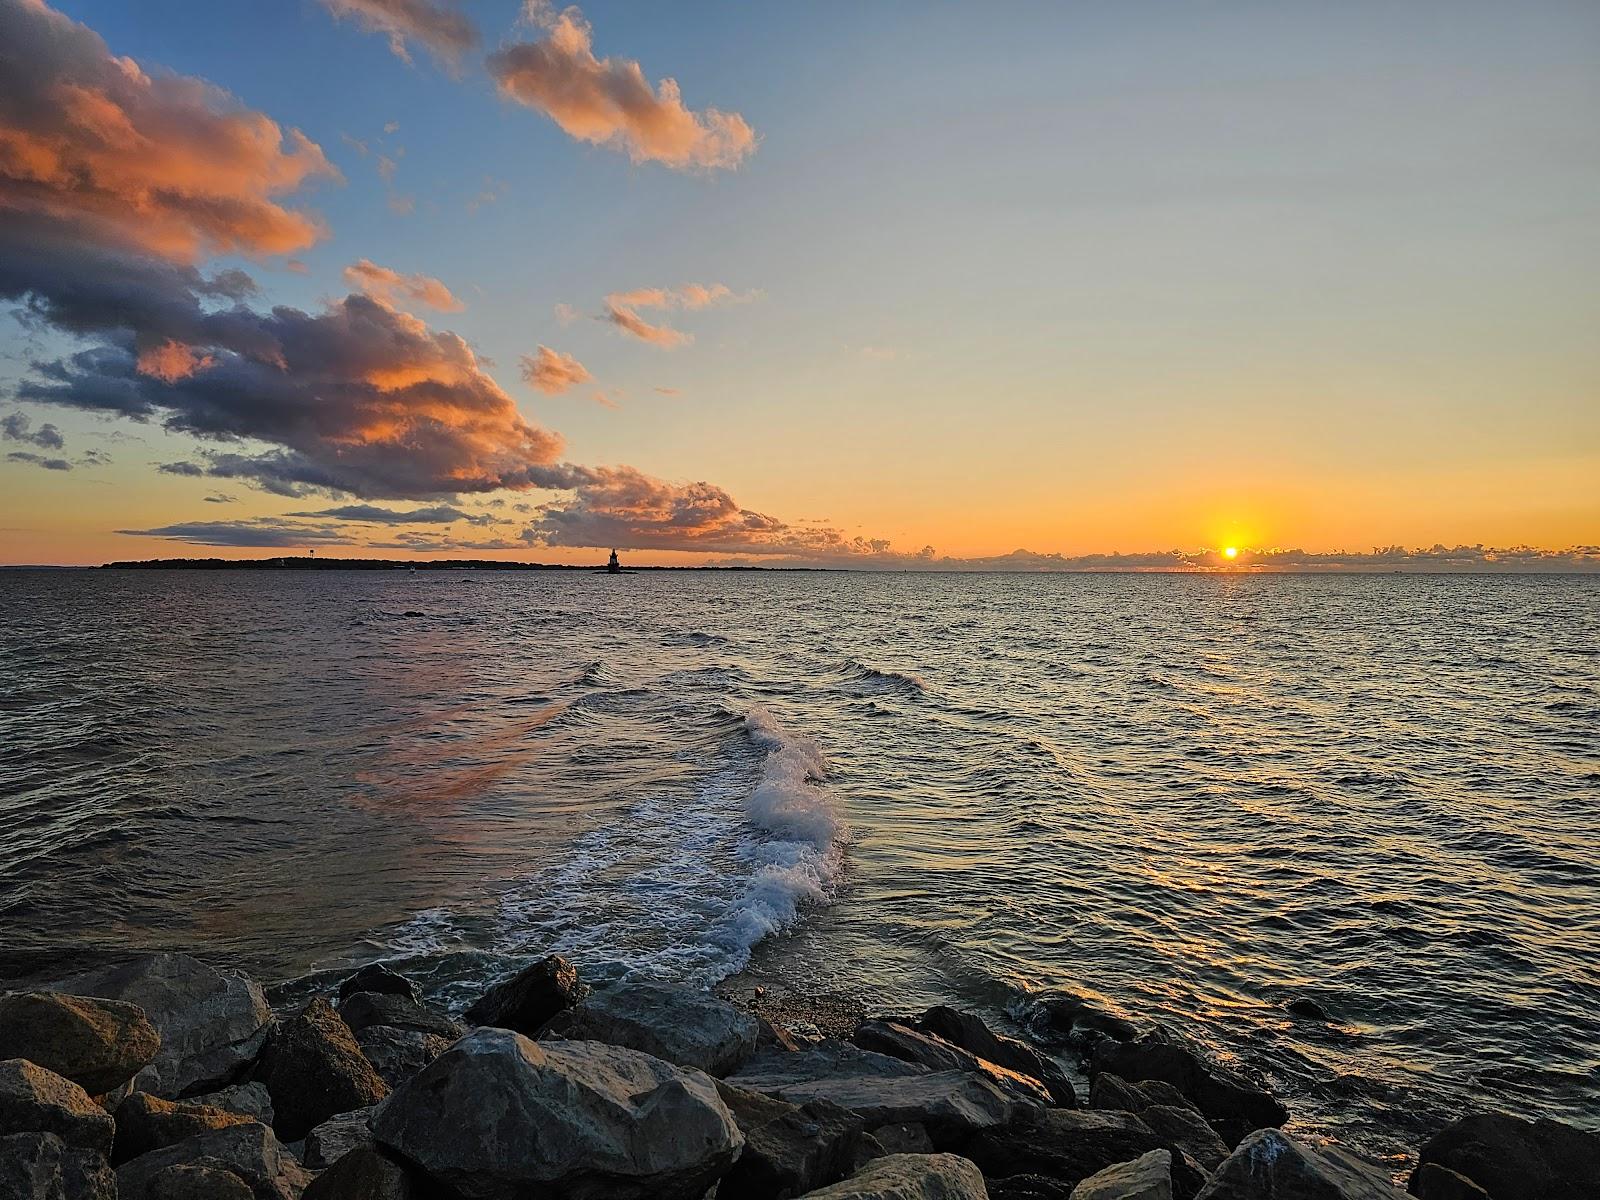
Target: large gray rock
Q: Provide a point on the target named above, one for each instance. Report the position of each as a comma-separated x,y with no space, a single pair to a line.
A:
40,1166
951,1105
971,1034
682,1025
366,1010
525,1001
34,1100
1166,1110
398,1054
375,977
191,1181
146,1123
789,1149
247,1099
1148,1177
1513,1159
315,1070
774,1068
498,1117
212,1023
249,1151
365,1173
1430,1181
1232,1104
931,1051
336,1137
1066,1145
98,1044
1271,1165
910,1177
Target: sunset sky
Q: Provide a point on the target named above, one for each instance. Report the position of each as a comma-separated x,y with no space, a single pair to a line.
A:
797,283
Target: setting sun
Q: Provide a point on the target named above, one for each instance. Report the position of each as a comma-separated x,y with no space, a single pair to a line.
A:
1232,552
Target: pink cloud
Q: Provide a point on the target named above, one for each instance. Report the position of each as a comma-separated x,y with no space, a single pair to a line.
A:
391,287
553,372
443,28
622,309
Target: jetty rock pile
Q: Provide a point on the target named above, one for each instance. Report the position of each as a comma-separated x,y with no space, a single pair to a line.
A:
160,1077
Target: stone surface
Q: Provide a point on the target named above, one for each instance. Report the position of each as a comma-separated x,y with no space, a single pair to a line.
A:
1430,1181
788,1149
931,1051
910,1177
949,1104
364,1174
971,1034
1271,1165
98,1044
40,1166
336,1137
364,1010
1229,1102
247,1099
189,1181
498,1117
34,1100
1513,1159
1183,1127
1027,1187
1074,1017
398,1054
315,1070
212,1023
525,1001
375,977
906,1137
146,1123
682,1025
1148,1177
249,1152
1067,1145
774,1068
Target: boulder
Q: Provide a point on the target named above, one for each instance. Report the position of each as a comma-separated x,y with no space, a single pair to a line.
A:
1148,1177
788,1149
1067,1145
904,1137
315,1070
192,1181
497,1117
682,1025
951,1105
249,1152
1027,1187
398,1054
34,1100
247,1099
146,1123
365,1010
773,1069
910,1177
1307,1009
365,1173
971,1034
931,1051
40,1166
1182,1127
1430,1181
1513,1159
526,1000
98,1044
1270,1165
336,1137
212,1023
375,977
1229,1102
1074,1017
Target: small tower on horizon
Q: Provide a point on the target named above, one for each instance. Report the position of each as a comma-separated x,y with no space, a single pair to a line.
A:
613,567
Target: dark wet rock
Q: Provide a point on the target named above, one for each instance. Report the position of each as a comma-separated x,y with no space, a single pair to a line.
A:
1148,1177
910,1177
788,1149
146,1123
528,999
366,1173
98,1044
1228,1101
1513,1159
40,1166
191,1181
336,1137
498,1117
212,1023
315,1070
951,1105
1068,1145
250,1152
771,1070
398,1054
769,1033
34,1100
1430,1181
364,1010
684,1026
1109,1090
903,1137
1309,1010
1271,1165
971,1034
375,977
1073,1017
931,1051
1028,1187
1184,1128
247,1099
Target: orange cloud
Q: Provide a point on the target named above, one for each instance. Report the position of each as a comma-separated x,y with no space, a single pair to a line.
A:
171,361
553,372
168,165
442,28
609,102
391,287
622,309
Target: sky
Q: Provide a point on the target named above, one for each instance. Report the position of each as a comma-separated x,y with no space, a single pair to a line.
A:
885,285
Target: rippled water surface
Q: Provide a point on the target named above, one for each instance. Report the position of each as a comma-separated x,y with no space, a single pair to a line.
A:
1190,799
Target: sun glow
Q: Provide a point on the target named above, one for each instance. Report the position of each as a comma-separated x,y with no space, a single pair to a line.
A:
1232,552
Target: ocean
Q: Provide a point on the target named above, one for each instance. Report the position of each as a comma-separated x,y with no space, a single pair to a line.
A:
1187,799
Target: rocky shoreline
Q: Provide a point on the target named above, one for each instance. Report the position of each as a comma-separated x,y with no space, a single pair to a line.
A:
160,1077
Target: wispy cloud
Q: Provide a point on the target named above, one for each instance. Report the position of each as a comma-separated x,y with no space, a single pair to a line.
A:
18,427
391,287
443,28
553,372
38,460
372,514
609,101
259,532
622,309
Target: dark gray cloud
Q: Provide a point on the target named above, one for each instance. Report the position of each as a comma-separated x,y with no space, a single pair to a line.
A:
221,498
263,531
39,460
372,514
18,427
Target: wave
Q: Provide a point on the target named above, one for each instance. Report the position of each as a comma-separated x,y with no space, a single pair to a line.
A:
878,679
